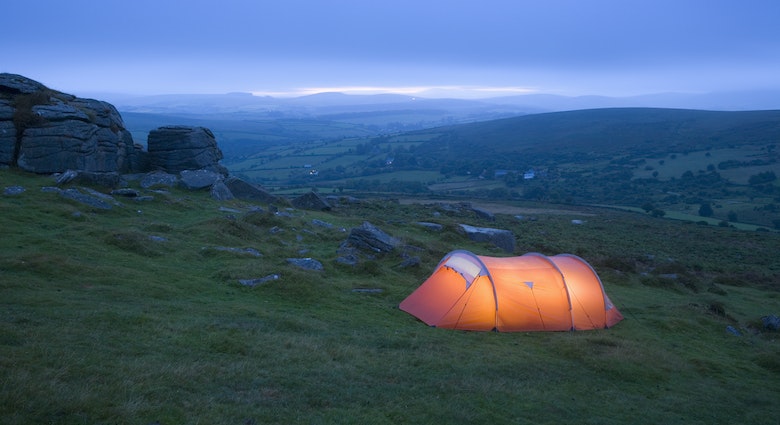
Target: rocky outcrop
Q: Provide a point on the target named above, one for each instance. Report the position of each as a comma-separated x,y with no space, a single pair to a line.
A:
177,148
84,140
7,133
46,131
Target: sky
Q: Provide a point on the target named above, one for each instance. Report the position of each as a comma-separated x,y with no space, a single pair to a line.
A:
427,48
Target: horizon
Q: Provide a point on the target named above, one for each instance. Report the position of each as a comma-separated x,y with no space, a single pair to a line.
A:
432,49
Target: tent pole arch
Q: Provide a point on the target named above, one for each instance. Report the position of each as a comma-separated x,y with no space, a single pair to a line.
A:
483,269
563,279
607,303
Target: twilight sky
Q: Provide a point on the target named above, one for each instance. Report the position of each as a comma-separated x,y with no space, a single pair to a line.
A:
431,48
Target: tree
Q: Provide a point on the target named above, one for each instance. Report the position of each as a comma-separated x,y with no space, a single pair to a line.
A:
761,178
705,210
732,216
657,212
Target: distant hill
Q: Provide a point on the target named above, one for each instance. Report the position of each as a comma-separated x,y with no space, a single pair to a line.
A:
673,160
609,131
328,103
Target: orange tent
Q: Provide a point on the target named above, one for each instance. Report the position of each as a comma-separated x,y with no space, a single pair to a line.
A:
532,292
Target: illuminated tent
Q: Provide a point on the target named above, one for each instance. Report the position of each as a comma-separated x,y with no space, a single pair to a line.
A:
532,292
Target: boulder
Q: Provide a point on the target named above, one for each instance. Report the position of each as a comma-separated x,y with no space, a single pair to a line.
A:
7,133
248,191
45,131
503,239
198,179
484,214
371,238
110,179
436,227
347,255
321,223
771,322
158,179
126,192
220,191
306,263
176,148
311,201
13,190
86,199
17,84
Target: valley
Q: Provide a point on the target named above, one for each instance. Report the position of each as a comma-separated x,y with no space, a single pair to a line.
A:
673,161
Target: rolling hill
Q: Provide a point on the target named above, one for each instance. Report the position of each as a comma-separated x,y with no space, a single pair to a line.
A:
610,130
671,159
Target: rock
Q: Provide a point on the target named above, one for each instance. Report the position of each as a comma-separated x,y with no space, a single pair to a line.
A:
484,214
221,192
306,263
176,148
734,331
248,191
90,200
412,261
320,223
771,322
17,84
229,210
347,255
311,201
159,179
503,239
13,190
577,222
55,146
371,238
198,179
45,131
430,226
7,133
243,251
158,239
109,179
368,290
66,177
259,281
125,192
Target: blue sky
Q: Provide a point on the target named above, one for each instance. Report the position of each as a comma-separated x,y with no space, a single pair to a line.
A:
432,48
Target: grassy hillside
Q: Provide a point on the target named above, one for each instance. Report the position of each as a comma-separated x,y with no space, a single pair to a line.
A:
613,131
135,315
672,160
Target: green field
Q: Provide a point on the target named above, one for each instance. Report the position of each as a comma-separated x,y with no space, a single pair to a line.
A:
133,316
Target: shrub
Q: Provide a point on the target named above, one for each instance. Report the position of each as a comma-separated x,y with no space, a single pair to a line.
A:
24,117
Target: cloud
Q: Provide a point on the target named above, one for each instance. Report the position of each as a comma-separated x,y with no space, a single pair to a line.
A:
460,91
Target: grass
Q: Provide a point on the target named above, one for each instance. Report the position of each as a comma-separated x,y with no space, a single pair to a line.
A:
100,324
